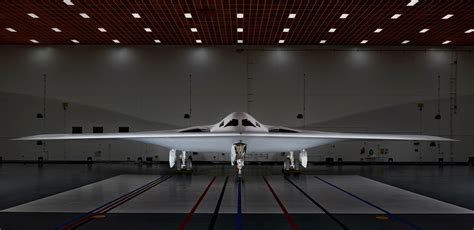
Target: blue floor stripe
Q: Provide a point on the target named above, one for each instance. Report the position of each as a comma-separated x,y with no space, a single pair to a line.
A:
239,206
392,216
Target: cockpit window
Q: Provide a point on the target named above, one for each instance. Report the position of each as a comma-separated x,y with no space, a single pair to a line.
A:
258,125
233,122
246,122
221,124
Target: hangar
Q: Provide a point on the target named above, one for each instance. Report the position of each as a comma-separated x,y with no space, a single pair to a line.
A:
143,114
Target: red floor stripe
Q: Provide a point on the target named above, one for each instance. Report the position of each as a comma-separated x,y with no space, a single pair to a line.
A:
282,207
196,205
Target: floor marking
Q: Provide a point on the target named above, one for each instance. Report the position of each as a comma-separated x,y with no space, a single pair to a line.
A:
188,217
392,216
218,205
317,204
83,218
239,206
282,207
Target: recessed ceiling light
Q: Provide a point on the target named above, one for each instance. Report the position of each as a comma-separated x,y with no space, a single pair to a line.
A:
56,29
11,30
148,30
322,41
469,31
424,31
292,16
286,30
84,15
412,2
240,41
157,41
102,30
446,42
332,30
281,41
188,15
405,41
74,41
198,41
395,16
136,15
68,2
344,16
116,41
194,30
33,15
240,15
363,41
447,16
34,41
240,30
378,30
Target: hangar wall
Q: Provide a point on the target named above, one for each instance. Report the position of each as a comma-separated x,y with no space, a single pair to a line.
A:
147,88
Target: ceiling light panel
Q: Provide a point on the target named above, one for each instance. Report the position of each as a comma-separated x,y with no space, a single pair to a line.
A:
332,30
33,15
447,16
84,15
286,30
57,30
378,30
395,16
344,16
194,30
423,31
11,30
240,30
240,15
292,16
148,30
412,2
136,15
102,30
188,15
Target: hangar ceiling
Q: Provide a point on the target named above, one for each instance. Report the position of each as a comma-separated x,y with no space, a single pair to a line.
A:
247,22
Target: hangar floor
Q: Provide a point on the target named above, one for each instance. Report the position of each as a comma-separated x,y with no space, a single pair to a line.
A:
124,196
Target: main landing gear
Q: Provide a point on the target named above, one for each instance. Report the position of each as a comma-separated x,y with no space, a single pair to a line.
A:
291,165
186,165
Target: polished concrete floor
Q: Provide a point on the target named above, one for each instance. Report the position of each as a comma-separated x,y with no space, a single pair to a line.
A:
123,196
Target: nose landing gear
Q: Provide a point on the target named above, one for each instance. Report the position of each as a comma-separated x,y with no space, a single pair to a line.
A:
237,155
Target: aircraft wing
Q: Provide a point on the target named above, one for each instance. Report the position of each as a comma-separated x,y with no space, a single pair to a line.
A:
258,142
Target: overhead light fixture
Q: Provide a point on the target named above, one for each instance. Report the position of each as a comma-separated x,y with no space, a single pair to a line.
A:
240,30
84,15
344,16
447,16
446,42
412,2
405,41
34,41
423,31
286,30
148,30
332,30
116,41
395,16
292,16
198,41
136,15
322,42
74,41
240,41
188,15
11,30
364,41
469,31
102,30
194,30
240,15
378,30
157,41
33,15
57,30
281,41
68,2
